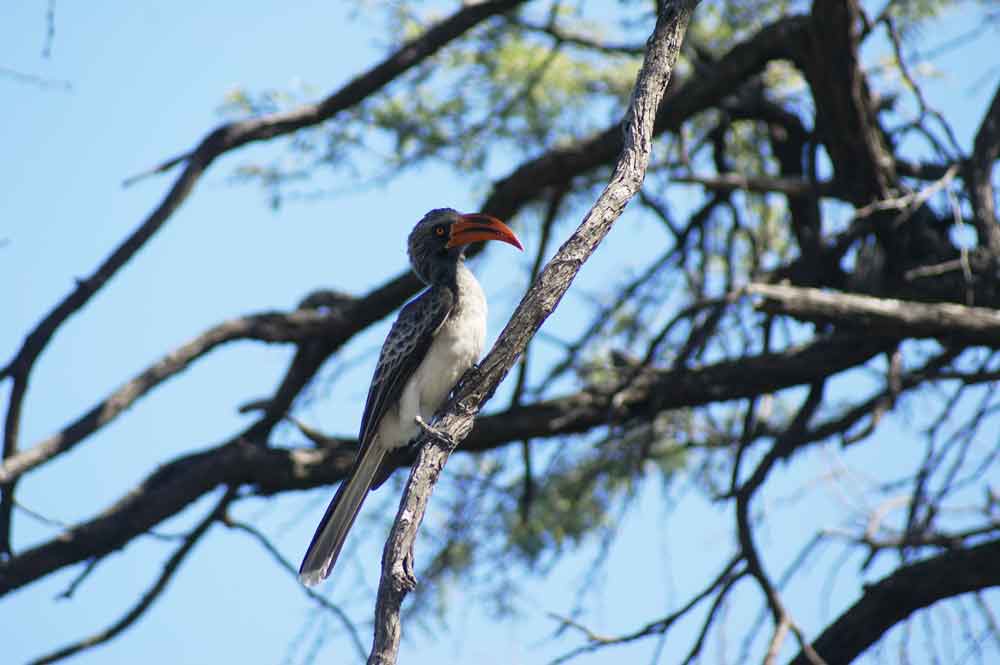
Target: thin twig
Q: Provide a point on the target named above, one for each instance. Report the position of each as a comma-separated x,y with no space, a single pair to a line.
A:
729,575
79,579
162,167
266,543
41,82
551,214
271,327
50,29
147,599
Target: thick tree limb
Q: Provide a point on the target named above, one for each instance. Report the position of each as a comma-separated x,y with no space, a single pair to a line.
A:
886,316
845,117
224,139
728,182
906,590
542,298
979,178
267,327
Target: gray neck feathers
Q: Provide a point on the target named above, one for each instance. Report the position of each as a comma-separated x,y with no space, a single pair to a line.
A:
438,269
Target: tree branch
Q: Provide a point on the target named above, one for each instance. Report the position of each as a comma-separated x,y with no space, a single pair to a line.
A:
682,101
271,327
845,117
900,318
542,298
906,590
285,565
147,599
719,586
979,178
582,41
728,182
344,317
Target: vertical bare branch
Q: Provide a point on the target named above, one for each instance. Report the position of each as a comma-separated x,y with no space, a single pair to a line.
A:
845,116
985,151
542,298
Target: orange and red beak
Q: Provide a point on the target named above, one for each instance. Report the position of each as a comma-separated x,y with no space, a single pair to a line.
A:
475,227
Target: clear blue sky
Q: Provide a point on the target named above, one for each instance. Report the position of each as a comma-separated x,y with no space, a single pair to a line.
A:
146,84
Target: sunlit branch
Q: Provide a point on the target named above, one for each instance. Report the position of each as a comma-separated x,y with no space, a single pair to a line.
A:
949,322
542,298
727,182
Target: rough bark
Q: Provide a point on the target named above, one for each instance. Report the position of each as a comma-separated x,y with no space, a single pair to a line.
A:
947,322
542,298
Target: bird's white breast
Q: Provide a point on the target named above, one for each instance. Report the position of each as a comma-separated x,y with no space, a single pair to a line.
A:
455,348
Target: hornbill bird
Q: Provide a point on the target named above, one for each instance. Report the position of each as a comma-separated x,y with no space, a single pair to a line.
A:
435,339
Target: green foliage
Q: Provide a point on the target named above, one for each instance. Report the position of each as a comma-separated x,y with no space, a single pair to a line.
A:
720,24
910,15
577,497
503,91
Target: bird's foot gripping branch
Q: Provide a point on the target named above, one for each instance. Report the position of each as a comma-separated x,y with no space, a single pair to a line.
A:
435,433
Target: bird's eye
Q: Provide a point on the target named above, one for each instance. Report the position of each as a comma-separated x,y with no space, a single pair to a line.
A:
439,230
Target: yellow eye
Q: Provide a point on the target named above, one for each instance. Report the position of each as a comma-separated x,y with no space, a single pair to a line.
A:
439,231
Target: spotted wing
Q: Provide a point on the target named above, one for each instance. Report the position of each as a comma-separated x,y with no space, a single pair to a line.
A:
404,349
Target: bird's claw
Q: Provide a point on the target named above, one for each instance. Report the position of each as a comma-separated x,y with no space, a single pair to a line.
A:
435,433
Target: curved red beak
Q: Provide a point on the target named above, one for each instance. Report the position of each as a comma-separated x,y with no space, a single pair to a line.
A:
475,227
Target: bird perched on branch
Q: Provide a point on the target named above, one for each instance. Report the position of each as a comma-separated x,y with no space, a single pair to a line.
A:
435,339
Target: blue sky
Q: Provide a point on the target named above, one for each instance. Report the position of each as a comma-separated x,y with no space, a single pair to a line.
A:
146,85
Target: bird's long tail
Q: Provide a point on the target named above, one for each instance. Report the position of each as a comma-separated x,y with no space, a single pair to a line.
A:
340,515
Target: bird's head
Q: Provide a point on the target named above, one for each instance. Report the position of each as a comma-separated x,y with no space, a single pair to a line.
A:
438,241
